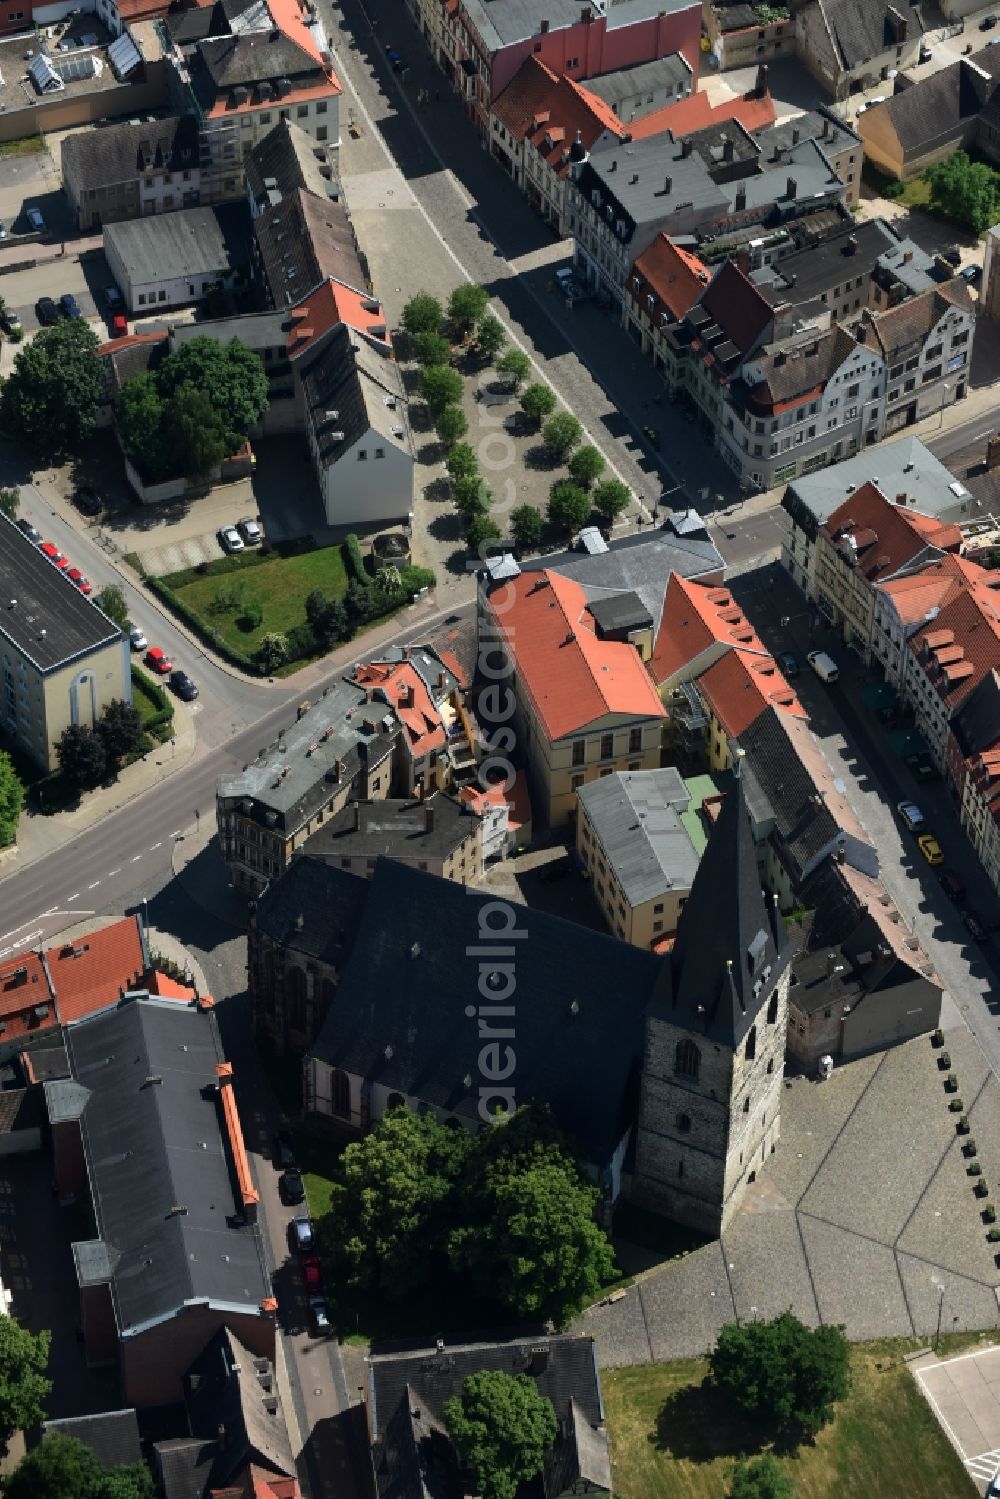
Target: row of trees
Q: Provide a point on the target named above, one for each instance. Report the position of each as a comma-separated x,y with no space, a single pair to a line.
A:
87,756
507,1211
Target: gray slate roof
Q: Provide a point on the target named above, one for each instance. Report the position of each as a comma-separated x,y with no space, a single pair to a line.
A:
406,986
860,28
152,1145
121,151
853,251
286,159
189,242
976,725
51,623
395,828
226,1387
636,819
248,59
307,910
904,465
303,240
625,84
936,108
646,201
517,20
113,1436
349,379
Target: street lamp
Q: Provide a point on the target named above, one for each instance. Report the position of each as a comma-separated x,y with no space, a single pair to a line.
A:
937,1335
945,387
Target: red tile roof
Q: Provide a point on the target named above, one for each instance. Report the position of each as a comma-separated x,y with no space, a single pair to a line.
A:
572,677
696,615
885,536
737,306
516,797
970,622
24,994
753,111
95,970
540,106
234,1135
330,304
165,987
673,277
742,685
399,684
935,585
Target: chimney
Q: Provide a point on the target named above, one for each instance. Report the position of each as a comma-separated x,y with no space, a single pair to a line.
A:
686,148
741,197
728,149
442,680
907,256
668,183
743,261
763,87
543,27
993,453
634,178
357,816
795,135
791,188
852,244
428,819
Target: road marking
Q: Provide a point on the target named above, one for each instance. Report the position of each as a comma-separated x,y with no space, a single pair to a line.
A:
155,846
14,930
177,833
112,873
5,952
136,858
94,885
72,897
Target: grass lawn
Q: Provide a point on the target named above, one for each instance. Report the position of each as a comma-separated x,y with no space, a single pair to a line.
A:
672,1437
278,583
28,145
145,699
916,193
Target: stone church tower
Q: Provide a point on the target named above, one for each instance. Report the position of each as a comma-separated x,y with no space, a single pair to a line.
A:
714,1054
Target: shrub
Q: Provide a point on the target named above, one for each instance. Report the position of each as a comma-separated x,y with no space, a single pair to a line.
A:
956,1106
970,1148
990,1215
981,1189
974,1168
301,642
353,560
944,1061
937,1039
951,1083
963,1125
994,1235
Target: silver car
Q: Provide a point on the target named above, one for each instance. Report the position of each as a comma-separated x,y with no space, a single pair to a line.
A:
230,539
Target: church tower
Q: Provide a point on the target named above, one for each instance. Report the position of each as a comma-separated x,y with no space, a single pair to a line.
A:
714,1053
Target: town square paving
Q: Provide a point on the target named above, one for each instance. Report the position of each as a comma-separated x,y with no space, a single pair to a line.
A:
864,1213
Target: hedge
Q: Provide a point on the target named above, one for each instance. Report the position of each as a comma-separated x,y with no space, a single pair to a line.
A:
353,560
195,622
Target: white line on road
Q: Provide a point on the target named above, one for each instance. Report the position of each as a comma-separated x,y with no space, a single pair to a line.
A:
112,873
14,930
155,846
136,858
72,897
177,833
94,885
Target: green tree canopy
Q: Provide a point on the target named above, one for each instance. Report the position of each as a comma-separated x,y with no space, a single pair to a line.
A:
466,306
11,800
139,413
611,497
461,461
479,530
192,433
440,386
431,348
783,1371
391,1206
24,1388
272,651
502,1428
561,434
230,376
490,336
81,755
471,496
966,191
569,507
526,527
49,401
761,1478
10,502
63,1468
327,617
586,465
111,600
537,401
422,314
120,730
515,365
450,425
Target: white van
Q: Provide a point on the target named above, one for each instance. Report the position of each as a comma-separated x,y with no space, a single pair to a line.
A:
823,665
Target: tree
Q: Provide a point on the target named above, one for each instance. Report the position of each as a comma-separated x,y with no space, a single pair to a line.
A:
24,1389
569,507
81,755
272,651
490,336
471,496
327,618
11,800
461,462
526,527
440,386
529,1239
120,730
138,415
49,402
192,433
431,348
965,190
537,402
586,465
389,579
10,501
360,601
561,434
391,1205
611,497
422,314
450,425
61,1466
515,365
466,306
229,376
783,1371
480,529
762,1478
502,1428
111,601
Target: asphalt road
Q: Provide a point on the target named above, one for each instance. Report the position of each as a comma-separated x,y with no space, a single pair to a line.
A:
955,439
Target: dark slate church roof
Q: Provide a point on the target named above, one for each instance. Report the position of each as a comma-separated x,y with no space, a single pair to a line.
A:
312,913
730,947
406,1014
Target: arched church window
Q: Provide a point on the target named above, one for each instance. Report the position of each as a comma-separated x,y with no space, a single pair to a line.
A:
687,1059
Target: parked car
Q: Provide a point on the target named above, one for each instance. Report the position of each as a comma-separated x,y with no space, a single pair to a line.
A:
230,539
824,666
10,322
312,1277
319,1316
182,684
88,500
291,1188
952,256
119,325
911,815
977,928
35,220
987,23
284,1151
971,274
29,531
301,1236
930,848
565,275
3,230
926,53
51,551
158,660
250,530
789,663
113,297
952,884
137,639
69,306
46,312
76,576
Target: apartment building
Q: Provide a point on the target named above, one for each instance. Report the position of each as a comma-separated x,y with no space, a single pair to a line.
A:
901,605
131,169
926,347
852,45
426,689
947,658
439,834
61,660
665,283
974,751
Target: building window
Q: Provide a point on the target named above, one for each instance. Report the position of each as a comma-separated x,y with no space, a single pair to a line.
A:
579,751
340,1094
687,1059
321,107
770,1066
321,132
380,452
683,1123
772,1010
746,1104
607,746
302,112
750,1050
362,454
634,741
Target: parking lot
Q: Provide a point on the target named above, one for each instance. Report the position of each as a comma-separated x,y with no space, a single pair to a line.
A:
964,1394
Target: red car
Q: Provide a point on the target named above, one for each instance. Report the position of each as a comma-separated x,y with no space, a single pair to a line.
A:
158,660
311,1274
119,325
76,576
50,550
